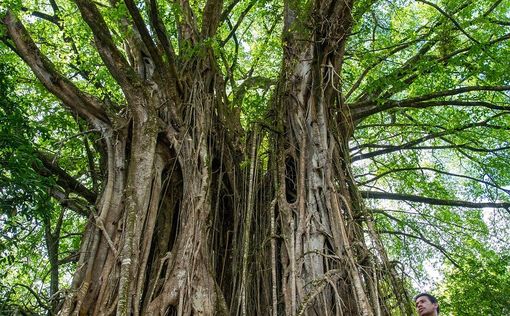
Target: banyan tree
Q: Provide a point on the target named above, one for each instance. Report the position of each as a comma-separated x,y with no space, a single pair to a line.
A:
234,143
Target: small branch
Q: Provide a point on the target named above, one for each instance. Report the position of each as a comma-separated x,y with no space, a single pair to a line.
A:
437,171
426,240
241,18
37,298
457,25
73,257
432,201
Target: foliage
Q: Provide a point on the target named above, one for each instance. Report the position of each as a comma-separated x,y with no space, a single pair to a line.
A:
479,285
27,207
424,86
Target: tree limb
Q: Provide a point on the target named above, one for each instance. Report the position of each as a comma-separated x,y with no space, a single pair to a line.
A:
389,149
239,21
165,43
500,22
367,104
432,201
50,168
118,66
375,178
493,6
457,25
144,34
74,204
72,257
451,92
87,106
211,17
379,60
257,81
386,149
397,74
37,298
419,102
424,239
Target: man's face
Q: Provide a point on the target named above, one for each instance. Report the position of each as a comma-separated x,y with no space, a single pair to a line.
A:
425,307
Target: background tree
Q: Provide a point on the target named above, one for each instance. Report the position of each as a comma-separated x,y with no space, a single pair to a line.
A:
478,285
227,156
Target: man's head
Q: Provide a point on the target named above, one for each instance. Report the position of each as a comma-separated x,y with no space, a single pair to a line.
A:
426,304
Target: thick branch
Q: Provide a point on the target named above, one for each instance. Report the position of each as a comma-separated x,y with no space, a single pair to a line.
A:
389,149
422,102
367,104
144,34
118,66
252,82
432,201
211,17
500,22
160,30
63,179
51,18
451,92
87,106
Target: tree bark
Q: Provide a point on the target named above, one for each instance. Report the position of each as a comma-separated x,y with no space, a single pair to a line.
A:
172,230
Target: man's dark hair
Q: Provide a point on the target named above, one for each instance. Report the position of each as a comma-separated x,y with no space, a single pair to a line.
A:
431,298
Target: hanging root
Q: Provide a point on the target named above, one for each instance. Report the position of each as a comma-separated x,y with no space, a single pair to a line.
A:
318,285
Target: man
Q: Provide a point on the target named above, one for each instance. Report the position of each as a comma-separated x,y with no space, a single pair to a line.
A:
426,305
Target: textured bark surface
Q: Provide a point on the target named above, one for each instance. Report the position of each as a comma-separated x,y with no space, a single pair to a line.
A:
182,226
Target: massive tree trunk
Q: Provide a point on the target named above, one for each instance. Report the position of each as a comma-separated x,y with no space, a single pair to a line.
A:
324,256
181,227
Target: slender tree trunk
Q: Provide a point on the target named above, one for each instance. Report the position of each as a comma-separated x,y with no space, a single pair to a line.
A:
52,239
